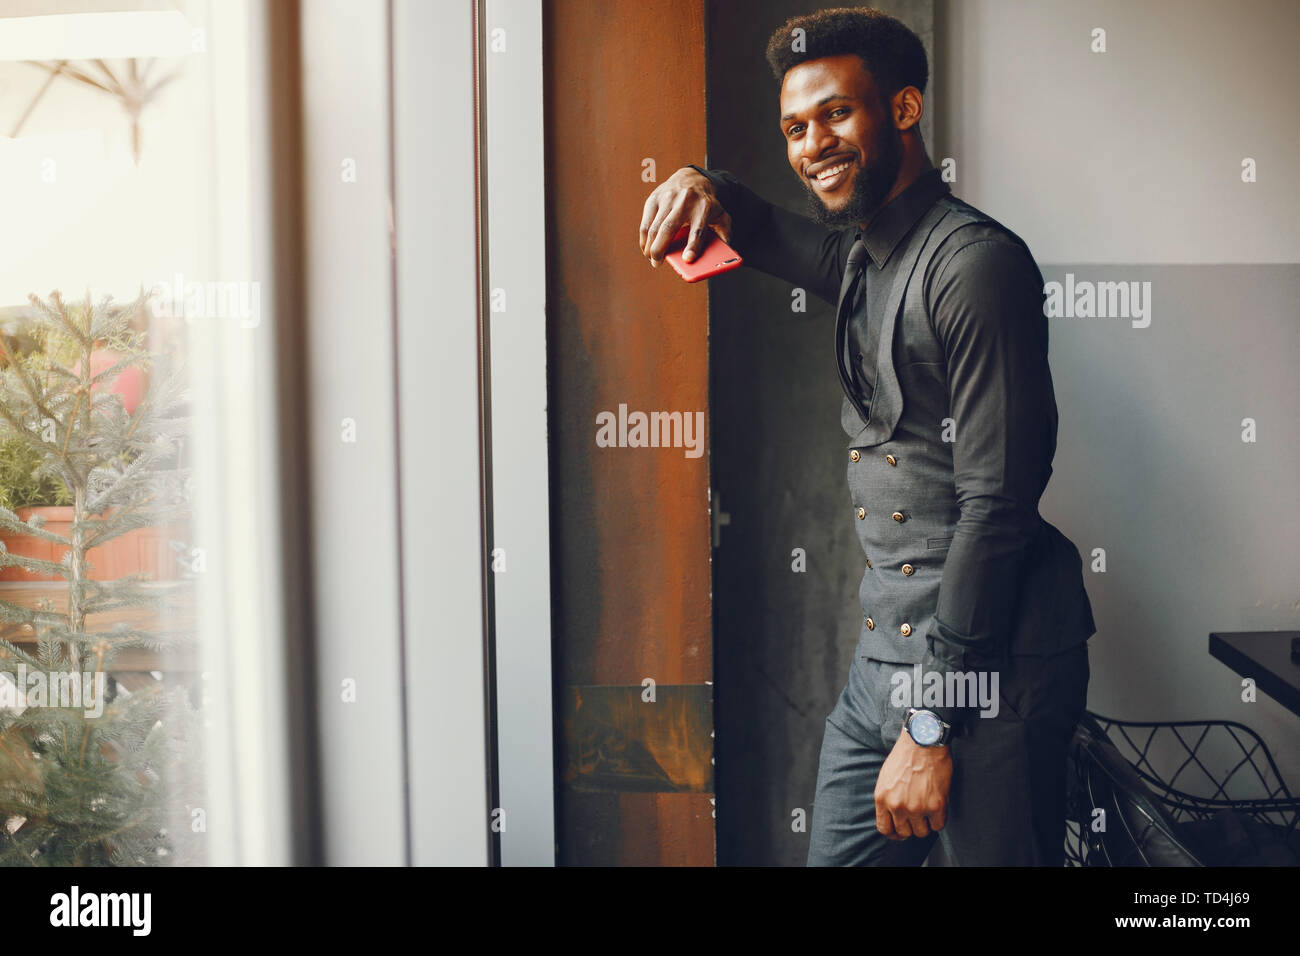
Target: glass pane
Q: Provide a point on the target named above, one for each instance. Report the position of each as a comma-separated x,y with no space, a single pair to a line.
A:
121,255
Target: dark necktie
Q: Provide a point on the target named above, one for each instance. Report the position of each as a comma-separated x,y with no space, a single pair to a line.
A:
854,269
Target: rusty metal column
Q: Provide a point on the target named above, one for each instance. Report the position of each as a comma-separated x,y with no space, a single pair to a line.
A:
625,107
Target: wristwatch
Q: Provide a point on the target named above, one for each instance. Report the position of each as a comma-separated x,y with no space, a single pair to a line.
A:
927,728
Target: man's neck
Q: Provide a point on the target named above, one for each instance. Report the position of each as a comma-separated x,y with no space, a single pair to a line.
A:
910,171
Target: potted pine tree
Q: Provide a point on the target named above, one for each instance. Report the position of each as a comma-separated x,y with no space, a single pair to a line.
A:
105,774
30,488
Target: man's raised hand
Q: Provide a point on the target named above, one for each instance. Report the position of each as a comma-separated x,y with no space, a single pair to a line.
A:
686,197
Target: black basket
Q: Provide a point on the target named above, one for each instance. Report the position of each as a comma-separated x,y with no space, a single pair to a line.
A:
1178,793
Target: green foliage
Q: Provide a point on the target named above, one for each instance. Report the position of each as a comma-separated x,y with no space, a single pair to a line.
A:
22,483
80,787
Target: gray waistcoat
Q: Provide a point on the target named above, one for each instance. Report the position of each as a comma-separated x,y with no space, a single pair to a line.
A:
908,403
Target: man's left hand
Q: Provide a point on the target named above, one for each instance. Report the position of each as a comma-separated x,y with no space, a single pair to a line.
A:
912,789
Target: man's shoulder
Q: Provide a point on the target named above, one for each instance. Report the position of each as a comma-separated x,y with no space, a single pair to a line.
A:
985,239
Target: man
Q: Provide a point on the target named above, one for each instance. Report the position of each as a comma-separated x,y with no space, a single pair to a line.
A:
941,350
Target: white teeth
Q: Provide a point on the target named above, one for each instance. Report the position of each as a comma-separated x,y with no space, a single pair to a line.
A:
833,171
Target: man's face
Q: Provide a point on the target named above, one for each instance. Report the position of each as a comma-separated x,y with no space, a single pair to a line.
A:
840,138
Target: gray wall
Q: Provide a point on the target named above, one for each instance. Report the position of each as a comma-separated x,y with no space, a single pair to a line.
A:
1133,157
1115,166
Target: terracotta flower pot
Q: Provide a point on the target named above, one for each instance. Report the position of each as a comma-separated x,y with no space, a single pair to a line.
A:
143,550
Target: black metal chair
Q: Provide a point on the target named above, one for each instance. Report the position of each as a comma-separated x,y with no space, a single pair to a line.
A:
1180,793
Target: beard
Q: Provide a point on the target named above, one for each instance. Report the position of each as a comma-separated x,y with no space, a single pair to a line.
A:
871,185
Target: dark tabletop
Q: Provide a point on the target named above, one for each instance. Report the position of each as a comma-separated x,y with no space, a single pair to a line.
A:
1265,657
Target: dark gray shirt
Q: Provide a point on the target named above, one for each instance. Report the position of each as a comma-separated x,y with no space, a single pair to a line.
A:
984,296
889,226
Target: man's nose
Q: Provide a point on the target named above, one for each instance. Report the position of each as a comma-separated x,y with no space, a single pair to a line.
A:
817,140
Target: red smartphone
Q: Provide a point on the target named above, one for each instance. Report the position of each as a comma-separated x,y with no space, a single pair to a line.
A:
714,259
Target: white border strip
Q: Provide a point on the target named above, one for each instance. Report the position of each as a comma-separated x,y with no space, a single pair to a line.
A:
438,401
516,189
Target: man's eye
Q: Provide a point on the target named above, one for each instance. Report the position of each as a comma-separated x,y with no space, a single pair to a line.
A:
793,130
839,110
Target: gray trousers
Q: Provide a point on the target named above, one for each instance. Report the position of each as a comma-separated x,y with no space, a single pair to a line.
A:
1006,804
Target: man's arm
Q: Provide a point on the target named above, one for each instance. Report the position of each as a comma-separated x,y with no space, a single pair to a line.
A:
780,243
769,238
987,310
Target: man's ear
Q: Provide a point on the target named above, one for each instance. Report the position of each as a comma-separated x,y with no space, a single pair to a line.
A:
907,108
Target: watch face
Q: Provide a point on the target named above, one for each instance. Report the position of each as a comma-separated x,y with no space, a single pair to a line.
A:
925,728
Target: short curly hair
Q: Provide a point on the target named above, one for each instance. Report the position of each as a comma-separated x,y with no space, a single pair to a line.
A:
892,54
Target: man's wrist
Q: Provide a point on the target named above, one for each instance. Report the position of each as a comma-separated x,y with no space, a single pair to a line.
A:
927,727
713,179
954,717
936,749
748,211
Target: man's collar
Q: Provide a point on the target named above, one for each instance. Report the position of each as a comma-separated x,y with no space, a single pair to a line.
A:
895,220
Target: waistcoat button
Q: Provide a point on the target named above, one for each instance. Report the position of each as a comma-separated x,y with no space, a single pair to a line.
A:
908,569
862,513
891,459
898,516
871,625
906,629
853,455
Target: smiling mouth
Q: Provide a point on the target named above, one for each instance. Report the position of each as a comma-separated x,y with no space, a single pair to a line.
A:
832,176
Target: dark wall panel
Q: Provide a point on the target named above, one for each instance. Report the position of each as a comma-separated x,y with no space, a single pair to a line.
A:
783,639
